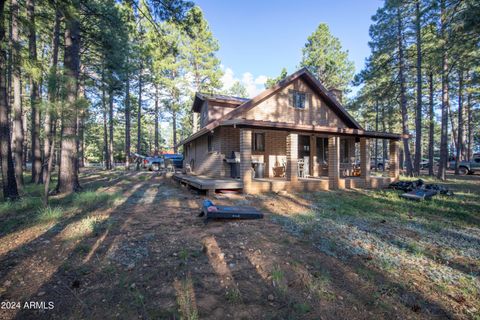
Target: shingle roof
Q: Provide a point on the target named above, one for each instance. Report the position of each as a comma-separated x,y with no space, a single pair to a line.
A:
200,97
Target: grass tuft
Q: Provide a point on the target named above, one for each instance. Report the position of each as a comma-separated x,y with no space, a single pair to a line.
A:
90,200
49,214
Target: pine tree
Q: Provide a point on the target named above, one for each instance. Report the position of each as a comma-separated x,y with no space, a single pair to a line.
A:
199,50
237,90
324,56
18,137
273,81
68,175
8,174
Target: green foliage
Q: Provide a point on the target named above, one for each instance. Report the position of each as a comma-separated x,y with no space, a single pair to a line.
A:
50,214
237,90
89,200
324,56
273,81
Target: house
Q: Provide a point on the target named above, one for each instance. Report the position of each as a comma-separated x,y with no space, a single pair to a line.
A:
298,132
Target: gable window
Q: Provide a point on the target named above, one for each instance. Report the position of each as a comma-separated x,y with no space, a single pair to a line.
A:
204,115
258,143
210,142
298,99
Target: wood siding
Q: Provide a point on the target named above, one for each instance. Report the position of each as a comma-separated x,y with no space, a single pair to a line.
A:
277,108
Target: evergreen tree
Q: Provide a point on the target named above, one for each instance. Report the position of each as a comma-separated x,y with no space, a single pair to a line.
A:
273,81
199,50
237,90
324,56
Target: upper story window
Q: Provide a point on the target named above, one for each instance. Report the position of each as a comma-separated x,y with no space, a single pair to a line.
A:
298,99
258,143
204,115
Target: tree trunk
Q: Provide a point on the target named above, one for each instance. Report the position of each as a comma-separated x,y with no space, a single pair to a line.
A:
442,166
139,113
106,156
156,119
34,97
376,129
17,100
48,170
81,120
384,141
174,126
418,116
460,120
68,175
10,190
50,117
403,97
127,122
431,124
469,127
453,131
110,128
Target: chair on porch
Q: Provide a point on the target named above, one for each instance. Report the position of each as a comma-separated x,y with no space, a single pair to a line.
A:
301,168
279,170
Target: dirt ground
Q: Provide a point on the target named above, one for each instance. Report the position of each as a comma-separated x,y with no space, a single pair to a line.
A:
150,257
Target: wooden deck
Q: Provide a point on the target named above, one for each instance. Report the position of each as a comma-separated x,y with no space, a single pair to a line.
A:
278,184
208,183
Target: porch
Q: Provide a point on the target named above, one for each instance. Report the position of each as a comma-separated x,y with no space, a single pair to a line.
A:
308,161
261,185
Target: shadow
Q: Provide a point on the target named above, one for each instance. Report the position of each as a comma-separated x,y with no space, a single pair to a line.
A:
342,268
147,259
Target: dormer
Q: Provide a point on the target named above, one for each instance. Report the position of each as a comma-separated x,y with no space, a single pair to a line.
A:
214,106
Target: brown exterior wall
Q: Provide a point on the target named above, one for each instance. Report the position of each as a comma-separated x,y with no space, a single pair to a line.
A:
227,139
201,160
212,110
277,108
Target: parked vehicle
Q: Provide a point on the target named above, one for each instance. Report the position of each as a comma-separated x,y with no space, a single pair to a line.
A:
424,163
469,167
153,163
173,160
382,164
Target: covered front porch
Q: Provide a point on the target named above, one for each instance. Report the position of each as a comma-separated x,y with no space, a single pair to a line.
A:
309,161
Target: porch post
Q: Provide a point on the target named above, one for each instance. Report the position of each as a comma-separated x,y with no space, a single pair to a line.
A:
365,161
333,162
246,159
394,168
313,156
292,157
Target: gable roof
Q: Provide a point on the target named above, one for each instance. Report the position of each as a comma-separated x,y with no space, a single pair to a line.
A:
315,85
201,97
243,105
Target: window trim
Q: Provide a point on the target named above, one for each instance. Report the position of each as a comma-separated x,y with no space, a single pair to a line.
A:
291,97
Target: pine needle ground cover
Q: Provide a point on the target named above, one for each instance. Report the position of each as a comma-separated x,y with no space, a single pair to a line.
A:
130,245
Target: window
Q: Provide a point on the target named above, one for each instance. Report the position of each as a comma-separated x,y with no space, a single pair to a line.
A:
258,143
210,142
298,99
204,115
